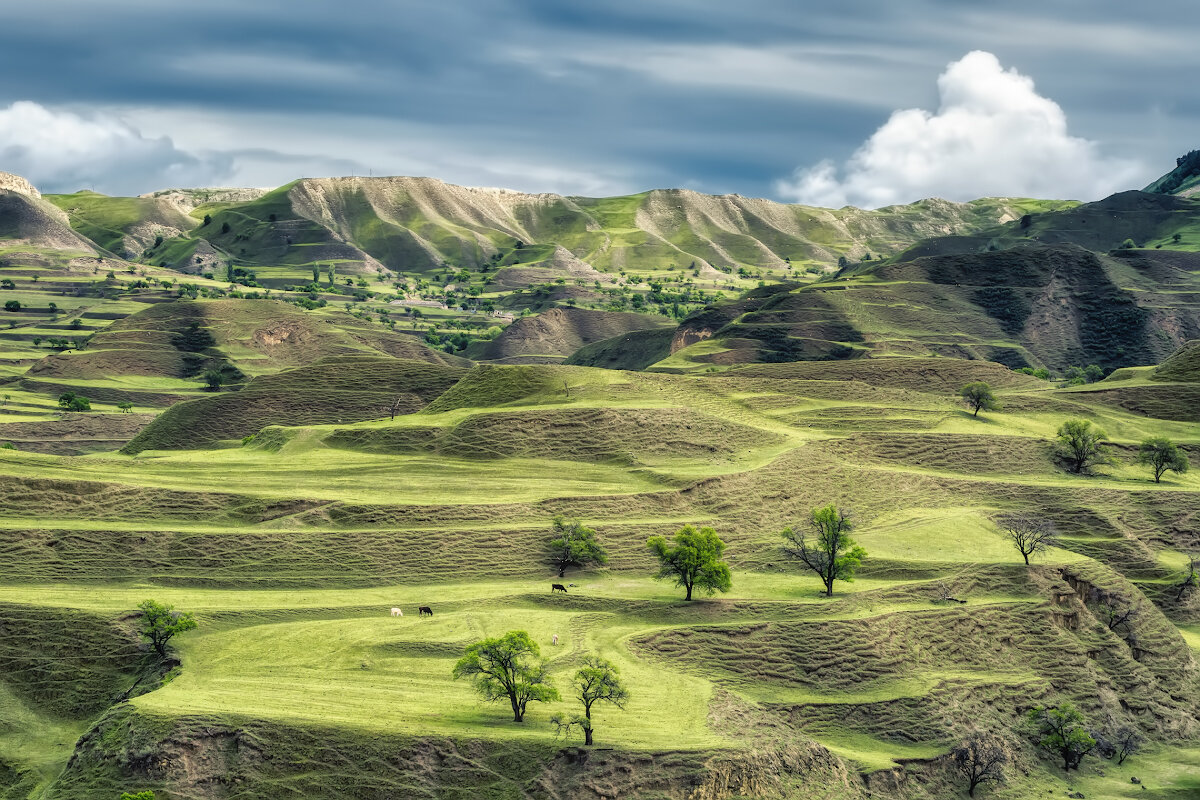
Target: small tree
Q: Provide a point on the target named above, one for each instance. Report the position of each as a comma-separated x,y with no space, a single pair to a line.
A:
574,545
980,760
12,305
598,680
1060,731
1115,611
126,407
1079,445
978,396
1125,741
1028,533
694,561
213,378
1161,454
507,668
160,623
316,273
830,553
1191,578
73,402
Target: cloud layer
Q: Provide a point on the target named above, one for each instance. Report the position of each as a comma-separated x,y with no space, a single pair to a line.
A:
992,135
62,151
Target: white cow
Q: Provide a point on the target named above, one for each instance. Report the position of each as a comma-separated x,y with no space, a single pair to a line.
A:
554,641
397,612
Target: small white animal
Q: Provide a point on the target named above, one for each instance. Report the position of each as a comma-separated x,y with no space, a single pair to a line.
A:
554,641
397,612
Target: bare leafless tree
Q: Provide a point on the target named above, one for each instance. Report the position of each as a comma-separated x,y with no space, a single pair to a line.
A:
1115,611
1029,533
980,759
946,594
1190,579
1125,741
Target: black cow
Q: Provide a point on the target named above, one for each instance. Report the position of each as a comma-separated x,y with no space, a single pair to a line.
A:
558,587
423,610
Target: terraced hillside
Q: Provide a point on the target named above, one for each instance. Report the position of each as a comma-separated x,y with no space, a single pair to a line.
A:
291,549
1029,305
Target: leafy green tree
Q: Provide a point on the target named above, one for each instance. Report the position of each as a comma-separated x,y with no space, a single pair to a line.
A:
694,561
1161,454
1029,533
316,273
1093,373
13,305
1079,445
826,547
73,402
37,341
161,622
1061,731
507,667
978,395
126,407
574,545
597,681
213,378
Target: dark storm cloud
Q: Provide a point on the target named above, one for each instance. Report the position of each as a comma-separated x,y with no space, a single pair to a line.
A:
614,96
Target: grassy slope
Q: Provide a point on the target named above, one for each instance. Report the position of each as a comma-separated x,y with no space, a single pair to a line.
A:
292,563
415,225
107,221
1035,305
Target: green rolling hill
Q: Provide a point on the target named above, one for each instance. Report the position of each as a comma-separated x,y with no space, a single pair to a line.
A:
403,432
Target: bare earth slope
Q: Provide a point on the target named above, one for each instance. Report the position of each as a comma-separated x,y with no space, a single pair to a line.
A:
559,332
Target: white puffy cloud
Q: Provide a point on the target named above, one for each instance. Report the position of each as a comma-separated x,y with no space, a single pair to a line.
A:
62,151
992,135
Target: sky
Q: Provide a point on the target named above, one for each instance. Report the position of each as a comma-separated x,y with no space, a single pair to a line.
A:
825,102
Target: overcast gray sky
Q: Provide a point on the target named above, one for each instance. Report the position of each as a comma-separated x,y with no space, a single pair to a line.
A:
849,101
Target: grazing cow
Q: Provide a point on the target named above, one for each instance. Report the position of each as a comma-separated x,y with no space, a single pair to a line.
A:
423,610
397,612
558,587
554,641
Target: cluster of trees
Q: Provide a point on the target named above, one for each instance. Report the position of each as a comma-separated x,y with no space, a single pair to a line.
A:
694,557
1059,731
69,401
59,342
1079,442
510,668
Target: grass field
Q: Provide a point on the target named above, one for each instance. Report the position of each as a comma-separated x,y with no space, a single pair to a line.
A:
291,549
353,463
